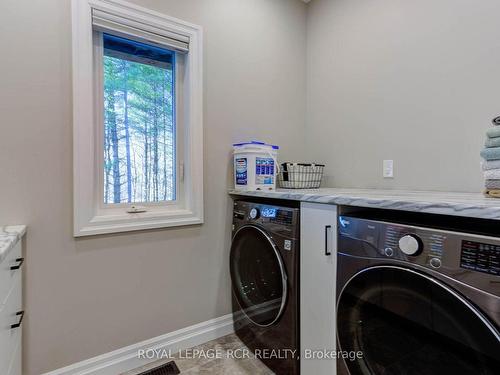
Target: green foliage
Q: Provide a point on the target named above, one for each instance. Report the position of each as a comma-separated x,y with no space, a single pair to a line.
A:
139,141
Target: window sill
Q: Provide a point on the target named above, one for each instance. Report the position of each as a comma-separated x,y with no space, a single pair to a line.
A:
107,224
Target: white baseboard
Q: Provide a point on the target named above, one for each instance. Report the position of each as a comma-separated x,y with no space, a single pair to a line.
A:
126,359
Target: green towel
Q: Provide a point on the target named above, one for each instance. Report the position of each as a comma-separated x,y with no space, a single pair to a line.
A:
493,132
492,142
492,153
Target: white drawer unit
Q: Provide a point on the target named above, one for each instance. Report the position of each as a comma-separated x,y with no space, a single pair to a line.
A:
318,254
10,267
11,311
10,329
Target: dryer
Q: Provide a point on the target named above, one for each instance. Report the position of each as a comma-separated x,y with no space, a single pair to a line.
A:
415,299
264,268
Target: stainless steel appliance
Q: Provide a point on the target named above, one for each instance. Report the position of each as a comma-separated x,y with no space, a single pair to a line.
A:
264,261
415,299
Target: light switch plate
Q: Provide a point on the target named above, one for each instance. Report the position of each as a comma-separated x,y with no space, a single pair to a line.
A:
388,169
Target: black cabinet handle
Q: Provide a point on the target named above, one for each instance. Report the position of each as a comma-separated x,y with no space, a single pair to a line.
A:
18,324
327,250
18,265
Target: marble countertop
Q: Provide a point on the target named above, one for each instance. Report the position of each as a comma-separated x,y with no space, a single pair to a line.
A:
458,204
9,236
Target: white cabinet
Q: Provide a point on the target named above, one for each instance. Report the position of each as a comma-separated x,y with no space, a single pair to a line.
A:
11,312
318,253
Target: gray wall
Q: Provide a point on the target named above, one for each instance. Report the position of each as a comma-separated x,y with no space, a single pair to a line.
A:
413,81
94,295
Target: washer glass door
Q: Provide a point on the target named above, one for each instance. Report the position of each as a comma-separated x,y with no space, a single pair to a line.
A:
405,322
258,275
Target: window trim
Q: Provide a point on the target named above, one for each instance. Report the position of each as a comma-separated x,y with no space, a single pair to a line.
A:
89,217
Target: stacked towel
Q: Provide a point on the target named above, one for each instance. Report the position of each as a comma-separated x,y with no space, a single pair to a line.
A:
493,184
493,132
491,153
491,156
492,142
492,174
490,164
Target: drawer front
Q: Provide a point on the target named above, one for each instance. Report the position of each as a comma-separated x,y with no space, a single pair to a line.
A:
16,363
7,275
10,337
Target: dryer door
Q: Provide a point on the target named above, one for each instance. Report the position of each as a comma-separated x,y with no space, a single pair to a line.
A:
258,275
405,322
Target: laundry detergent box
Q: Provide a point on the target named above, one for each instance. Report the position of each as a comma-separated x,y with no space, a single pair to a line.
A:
255,165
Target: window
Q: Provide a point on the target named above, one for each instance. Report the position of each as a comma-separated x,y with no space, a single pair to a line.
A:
139,122
137,102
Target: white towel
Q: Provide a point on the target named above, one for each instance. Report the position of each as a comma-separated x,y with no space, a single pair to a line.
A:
492,174
490,164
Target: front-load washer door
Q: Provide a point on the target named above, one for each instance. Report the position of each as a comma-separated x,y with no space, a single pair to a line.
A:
258,275
405,322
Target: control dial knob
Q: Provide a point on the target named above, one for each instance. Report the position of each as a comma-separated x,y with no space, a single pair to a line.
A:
254,213
410,244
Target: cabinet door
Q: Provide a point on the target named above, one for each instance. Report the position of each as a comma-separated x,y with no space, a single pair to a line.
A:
317,287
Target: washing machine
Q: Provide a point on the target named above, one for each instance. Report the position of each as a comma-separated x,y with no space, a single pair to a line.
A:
418,294
264,268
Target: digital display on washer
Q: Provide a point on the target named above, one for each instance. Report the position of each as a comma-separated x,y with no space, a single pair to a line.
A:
269,212
480,257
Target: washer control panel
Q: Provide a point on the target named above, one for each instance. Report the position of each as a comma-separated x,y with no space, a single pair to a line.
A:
393,241
273,218
480,257
406,243
470,258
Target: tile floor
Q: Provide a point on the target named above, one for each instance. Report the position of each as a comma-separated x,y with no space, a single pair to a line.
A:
224,364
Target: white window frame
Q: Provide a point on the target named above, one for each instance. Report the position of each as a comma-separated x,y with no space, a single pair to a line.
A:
91,217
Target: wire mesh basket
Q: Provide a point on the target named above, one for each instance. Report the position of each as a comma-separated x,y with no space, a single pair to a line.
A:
300,175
